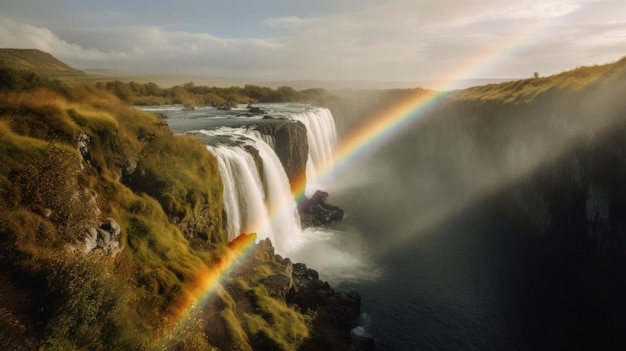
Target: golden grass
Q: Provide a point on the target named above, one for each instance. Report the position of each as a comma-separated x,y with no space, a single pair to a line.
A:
527,90
276,322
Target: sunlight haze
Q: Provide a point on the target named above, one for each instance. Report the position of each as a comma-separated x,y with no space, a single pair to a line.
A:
389,40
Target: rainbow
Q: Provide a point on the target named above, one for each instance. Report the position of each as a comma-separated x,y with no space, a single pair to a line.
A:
376,131
370,136
205,286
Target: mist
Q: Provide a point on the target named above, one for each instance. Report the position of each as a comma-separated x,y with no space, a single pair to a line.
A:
458,210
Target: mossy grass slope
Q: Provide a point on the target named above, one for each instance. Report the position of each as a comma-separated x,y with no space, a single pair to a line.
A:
163,190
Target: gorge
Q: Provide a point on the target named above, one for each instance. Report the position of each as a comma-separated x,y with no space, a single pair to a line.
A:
489,218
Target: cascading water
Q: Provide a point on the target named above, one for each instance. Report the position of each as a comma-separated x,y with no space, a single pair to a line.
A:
255,201
259,200
243,192
322,136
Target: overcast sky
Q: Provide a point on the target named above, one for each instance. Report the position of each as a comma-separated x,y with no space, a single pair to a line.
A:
389,40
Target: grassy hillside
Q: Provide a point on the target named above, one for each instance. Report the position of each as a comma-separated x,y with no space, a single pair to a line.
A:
526,90
37,61
76,162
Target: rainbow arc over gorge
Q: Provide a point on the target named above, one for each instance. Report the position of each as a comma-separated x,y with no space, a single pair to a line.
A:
371,135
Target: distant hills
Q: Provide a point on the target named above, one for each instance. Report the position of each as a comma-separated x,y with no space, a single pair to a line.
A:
380,85
45,64
37,61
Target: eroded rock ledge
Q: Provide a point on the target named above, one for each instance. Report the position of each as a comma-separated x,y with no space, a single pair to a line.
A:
296,285
315,211
290,145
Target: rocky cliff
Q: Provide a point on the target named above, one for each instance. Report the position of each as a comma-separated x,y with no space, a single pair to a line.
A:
575,210
290,144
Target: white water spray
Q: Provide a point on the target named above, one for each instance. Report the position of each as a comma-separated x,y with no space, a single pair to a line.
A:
322,137
255,201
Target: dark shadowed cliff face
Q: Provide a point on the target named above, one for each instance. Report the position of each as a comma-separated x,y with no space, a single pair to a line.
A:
501,219
290,145
576,210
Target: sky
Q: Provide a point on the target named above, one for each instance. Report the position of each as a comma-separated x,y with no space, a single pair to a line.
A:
381,40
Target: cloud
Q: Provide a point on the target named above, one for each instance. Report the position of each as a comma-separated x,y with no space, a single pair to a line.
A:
412,40
287,22
145,49
380,40
18,35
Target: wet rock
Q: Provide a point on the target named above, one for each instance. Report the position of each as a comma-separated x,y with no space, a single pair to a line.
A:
316,212
291,147
309,292
255,110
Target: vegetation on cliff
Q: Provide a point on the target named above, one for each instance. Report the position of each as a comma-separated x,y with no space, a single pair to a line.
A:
189,94
107,221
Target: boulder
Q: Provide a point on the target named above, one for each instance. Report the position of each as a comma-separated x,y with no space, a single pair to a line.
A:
315,211
103,239
256,110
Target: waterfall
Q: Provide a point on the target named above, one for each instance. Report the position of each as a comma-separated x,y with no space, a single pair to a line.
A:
257,196
322,136
255,201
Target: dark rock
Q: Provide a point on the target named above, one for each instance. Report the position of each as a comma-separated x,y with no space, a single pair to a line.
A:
291,147
296,284
309,292
258,161
278,285
361,342
224,108
256,110
268,117
315,211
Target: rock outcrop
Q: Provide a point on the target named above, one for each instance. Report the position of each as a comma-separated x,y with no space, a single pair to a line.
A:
290,145
309,292
316,212
301,286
